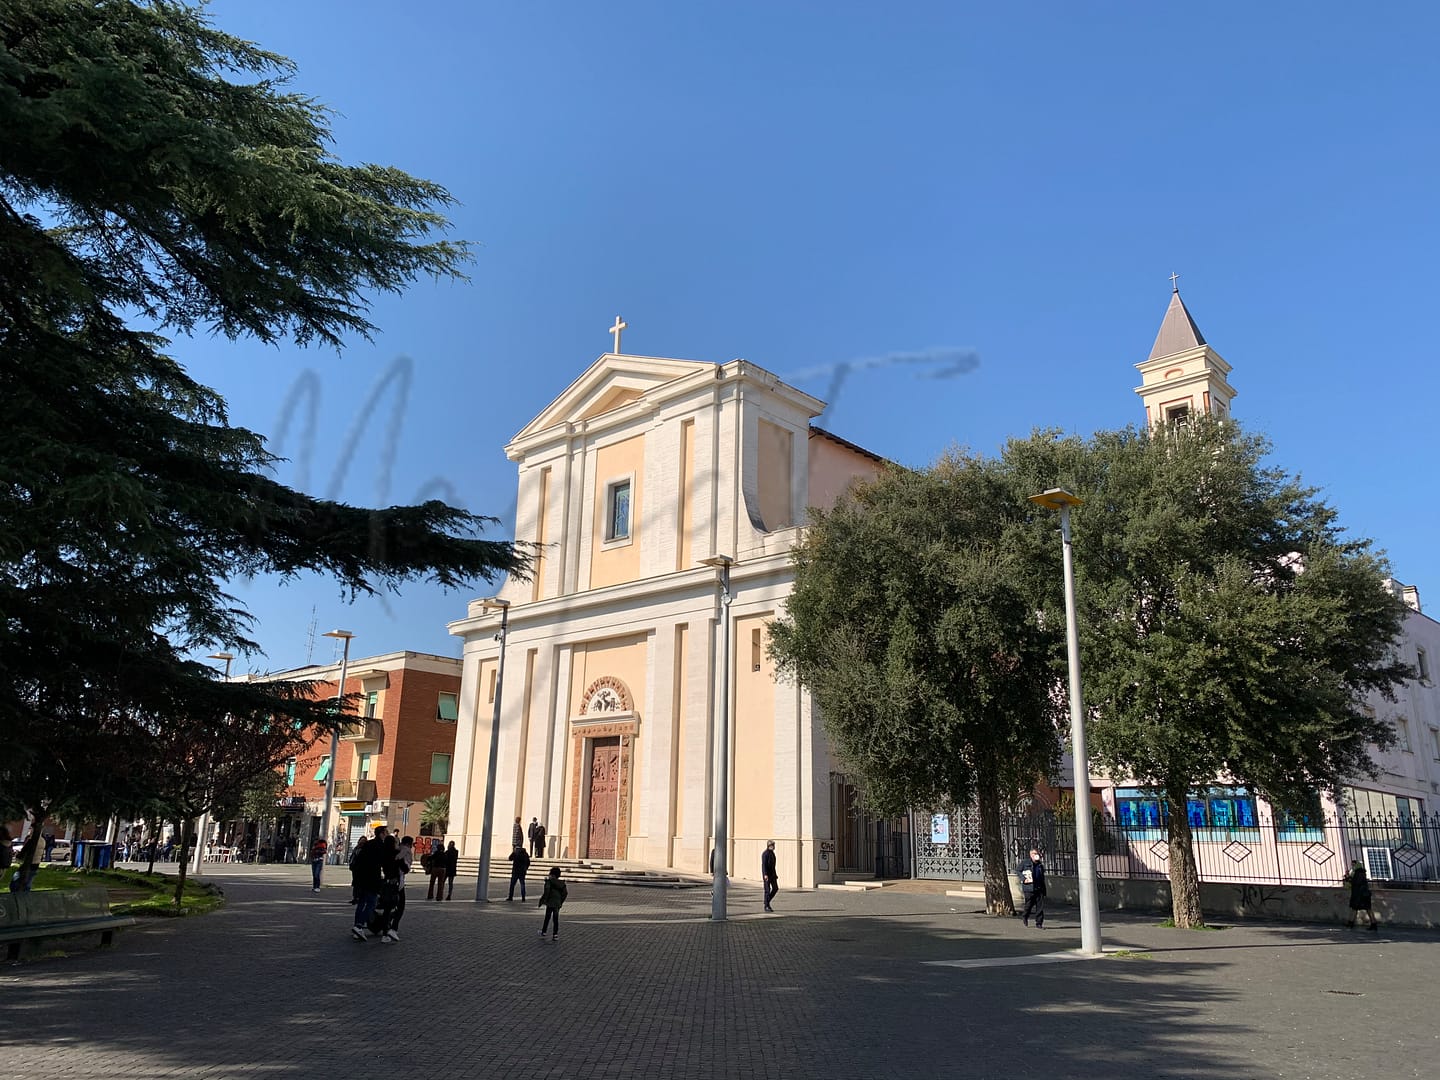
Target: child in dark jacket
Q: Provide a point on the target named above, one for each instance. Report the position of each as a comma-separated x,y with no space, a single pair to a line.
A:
551,899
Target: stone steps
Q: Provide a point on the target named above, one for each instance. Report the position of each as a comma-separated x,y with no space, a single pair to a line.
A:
600,873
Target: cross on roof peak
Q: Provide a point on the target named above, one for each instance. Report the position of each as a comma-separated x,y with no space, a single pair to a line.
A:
620,324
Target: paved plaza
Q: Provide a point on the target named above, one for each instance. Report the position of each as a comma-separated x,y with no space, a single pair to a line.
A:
640,983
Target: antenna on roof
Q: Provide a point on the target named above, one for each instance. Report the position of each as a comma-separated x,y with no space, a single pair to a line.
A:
310,637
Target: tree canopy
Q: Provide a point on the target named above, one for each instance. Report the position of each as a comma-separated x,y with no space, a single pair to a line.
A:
1230,629
914,625
158,177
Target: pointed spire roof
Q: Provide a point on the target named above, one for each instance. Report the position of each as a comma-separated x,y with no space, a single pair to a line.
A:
1178,331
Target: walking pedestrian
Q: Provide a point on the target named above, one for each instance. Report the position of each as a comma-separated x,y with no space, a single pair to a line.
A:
395,889
539,840
1360,895
1036,903
434,863
769,874
317,862
552,898
367,869
519,864
354,879
452,865
517,834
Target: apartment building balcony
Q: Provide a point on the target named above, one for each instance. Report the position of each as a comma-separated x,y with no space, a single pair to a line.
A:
361,790
362,729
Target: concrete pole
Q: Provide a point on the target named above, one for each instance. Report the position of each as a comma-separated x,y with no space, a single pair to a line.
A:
334,748
1084,840
722,758
487,827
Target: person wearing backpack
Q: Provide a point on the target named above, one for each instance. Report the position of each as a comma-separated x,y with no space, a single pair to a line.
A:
552,898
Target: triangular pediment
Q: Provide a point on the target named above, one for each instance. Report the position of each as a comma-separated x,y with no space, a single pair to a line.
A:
611,382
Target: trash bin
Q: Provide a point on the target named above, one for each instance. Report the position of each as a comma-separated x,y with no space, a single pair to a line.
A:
93,854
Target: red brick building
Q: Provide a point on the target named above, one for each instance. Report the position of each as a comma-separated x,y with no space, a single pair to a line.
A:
398,754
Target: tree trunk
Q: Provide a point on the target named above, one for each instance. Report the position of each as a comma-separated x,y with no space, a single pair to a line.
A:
185,852
28,862
998,900
1184,874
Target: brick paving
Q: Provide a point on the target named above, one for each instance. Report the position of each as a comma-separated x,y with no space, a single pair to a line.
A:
640,983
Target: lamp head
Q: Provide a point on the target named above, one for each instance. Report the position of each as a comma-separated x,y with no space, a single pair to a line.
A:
1056,499
345,635
720,562
227,656
494,603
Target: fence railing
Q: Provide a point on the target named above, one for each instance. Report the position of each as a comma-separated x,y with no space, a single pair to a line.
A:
1399,850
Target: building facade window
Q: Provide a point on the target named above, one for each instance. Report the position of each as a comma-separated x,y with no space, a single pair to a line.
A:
617,511
439,768
1435,742
1402,734
1422,665
324,770
447,709
1213,814
364,765
372,703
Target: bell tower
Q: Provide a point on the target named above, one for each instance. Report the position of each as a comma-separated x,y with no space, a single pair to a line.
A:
1184,376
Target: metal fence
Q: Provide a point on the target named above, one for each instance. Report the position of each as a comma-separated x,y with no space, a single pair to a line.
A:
1402,851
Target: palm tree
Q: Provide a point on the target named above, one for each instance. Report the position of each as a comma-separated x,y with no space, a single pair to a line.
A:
436,814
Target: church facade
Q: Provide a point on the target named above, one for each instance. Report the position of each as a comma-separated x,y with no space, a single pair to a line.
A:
633,484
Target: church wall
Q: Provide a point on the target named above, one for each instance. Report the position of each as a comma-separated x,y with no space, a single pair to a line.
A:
754,734
775,448
480,755
685,518
612,562
832,469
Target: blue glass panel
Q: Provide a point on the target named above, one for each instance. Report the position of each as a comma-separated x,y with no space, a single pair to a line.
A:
1195,811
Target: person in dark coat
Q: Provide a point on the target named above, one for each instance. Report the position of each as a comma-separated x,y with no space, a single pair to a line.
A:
519,865
769,874
1036,903
1359,894
368,871
452,866
538,840
435,864
552,897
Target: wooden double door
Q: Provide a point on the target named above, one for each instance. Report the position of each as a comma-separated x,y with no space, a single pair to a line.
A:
604,807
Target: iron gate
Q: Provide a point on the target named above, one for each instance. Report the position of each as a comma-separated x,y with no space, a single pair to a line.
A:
947,844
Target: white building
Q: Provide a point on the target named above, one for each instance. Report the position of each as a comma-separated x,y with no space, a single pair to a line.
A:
643,468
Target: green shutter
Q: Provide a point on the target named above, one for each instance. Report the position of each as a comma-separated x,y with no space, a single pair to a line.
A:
324,770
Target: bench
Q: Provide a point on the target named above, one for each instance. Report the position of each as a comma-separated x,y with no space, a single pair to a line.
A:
58,914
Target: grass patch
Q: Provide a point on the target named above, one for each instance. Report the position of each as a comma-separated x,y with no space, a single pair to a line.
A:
1127,954
133,892
1169,924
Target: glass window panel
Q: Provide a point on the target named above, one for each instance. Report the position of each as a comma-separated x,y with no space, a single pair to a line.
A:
372,702
448,708
324,770
439,768
619,511
1195,811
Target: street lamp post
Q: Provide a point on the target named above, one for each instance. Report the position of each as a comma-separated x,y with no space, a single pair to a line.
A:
1061,500
722,748
198,856
345,636
487,826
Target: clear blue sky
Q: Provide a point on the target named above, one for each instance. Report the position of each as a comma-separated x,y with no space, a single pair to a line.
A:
805,185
